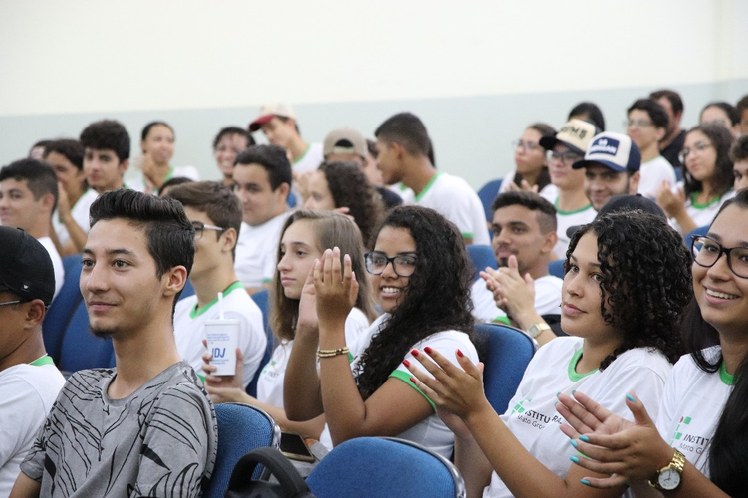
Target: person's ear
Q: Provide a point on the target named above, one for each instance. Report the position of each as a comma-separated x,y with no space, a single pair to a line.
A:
634,183
228,238
123,166
35,314
174,280
660,133
283,190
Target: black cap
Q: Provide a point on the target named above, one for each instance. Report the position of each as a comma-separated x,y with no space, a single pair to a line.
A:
623,203
25,266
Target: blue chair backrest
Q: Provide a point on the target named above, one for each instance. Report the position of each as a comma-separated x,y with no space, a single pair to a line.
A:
481,256
506,353
375,466
261,299
696,231
487,193
556,268
81,349
241,429
62,308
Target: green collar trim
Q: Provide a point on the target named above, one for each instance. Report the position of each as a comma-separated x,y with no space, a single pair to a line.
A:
724,376
196,312
420,195
44,360
573,375
303,155
573,211
695,195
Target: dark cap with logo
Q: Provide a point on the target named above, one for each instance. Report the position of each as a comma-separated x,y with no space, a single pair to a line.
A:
612,150
25,266
624,203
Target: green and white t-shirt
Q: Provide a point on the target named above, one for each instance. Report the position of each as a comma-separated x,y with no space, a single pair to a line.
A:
532,416
691,407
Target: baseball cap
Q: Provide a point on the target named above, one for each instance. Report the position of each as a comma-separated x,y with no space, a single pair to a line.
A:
268,111
613,150
623,203
26,268
344,141
576,135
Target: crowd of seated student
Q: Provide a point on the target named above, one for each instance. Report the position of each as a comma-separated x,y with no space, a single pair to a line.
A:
344,373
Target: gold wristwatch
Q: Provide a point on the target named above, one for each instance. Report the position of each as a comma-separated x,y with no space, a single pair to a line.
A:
668,477
535,330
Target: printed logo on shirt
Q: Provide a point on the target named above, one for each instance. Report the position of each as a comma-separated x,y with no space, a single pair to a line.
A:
519,406
532,417
688,442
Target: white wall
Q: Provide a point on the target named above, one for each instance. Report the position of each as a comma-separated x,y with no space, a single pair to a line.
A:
476,71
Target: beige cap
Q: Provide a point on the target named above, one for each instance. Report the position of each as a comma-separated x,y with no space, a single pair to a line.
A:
344,141
576,134
268,112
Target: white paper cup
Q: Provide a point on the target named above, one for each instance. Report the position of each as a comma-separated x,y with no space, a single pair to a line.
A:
222,337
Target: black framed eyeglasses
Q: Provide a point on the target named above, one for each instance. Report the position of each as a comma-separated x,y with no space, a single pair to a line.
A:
403,264
706,252
200,227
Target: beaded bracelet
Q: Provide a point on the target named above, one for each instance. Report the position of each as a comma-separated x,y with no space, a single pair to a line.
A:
331,353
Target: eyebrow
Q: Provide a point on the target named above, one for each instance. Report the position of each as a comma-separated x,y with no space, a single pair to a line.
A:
112,252
572,257
717,238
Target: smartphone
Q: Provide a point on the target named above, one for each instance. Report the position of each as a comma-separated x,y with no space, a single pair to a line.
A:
293,446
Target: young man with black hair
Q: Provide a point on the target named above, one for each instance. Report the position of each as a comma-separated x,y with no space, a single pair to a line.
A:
145,428
262,176
29,380
404,149
28,196
521,290
647,124
216,214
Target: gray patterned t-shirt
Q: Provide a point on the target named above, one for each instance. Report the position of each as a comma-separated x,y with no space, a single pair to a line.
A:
158,441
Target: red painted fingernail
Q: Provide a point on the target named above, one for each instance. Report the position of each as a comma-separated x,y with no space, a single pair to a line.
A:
406,363
413,380
459,353
414,353
427,349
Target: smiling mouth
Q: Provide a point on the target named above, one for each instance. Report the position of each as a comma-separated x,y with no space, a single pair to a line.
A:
720,295
390,291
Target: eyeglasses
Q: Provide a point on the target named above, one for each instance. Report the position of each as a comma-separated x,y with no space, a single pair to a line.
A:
200,227
636,123
697,146
528,146
403,264
567,157
707,251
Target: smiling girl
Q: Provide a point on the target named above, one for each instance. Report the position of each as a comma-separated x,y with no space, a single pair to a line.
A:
421,278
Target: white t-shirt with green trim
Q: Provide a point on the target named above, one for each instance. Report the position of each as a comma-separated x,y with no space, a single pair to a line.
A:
27,392
456,200
691,407
270,381
532,416
703,214
430,432
547,299
566,219
189,328
79,212
256,247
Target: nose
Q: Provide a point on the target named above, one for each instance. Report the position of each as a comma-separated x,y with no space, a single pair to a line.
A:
93,280
389,271
501,237
720,270
571,285
282,264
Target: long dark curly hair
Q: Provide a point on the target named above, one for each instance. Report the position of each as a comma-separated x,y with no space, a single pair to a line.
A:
350,188
437,297
646,280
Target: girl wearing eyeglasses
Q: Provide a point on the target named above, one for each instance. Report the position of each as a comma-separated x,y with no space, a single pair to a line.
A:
531,169
627,281
304,237
697,445
421,278
707,179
